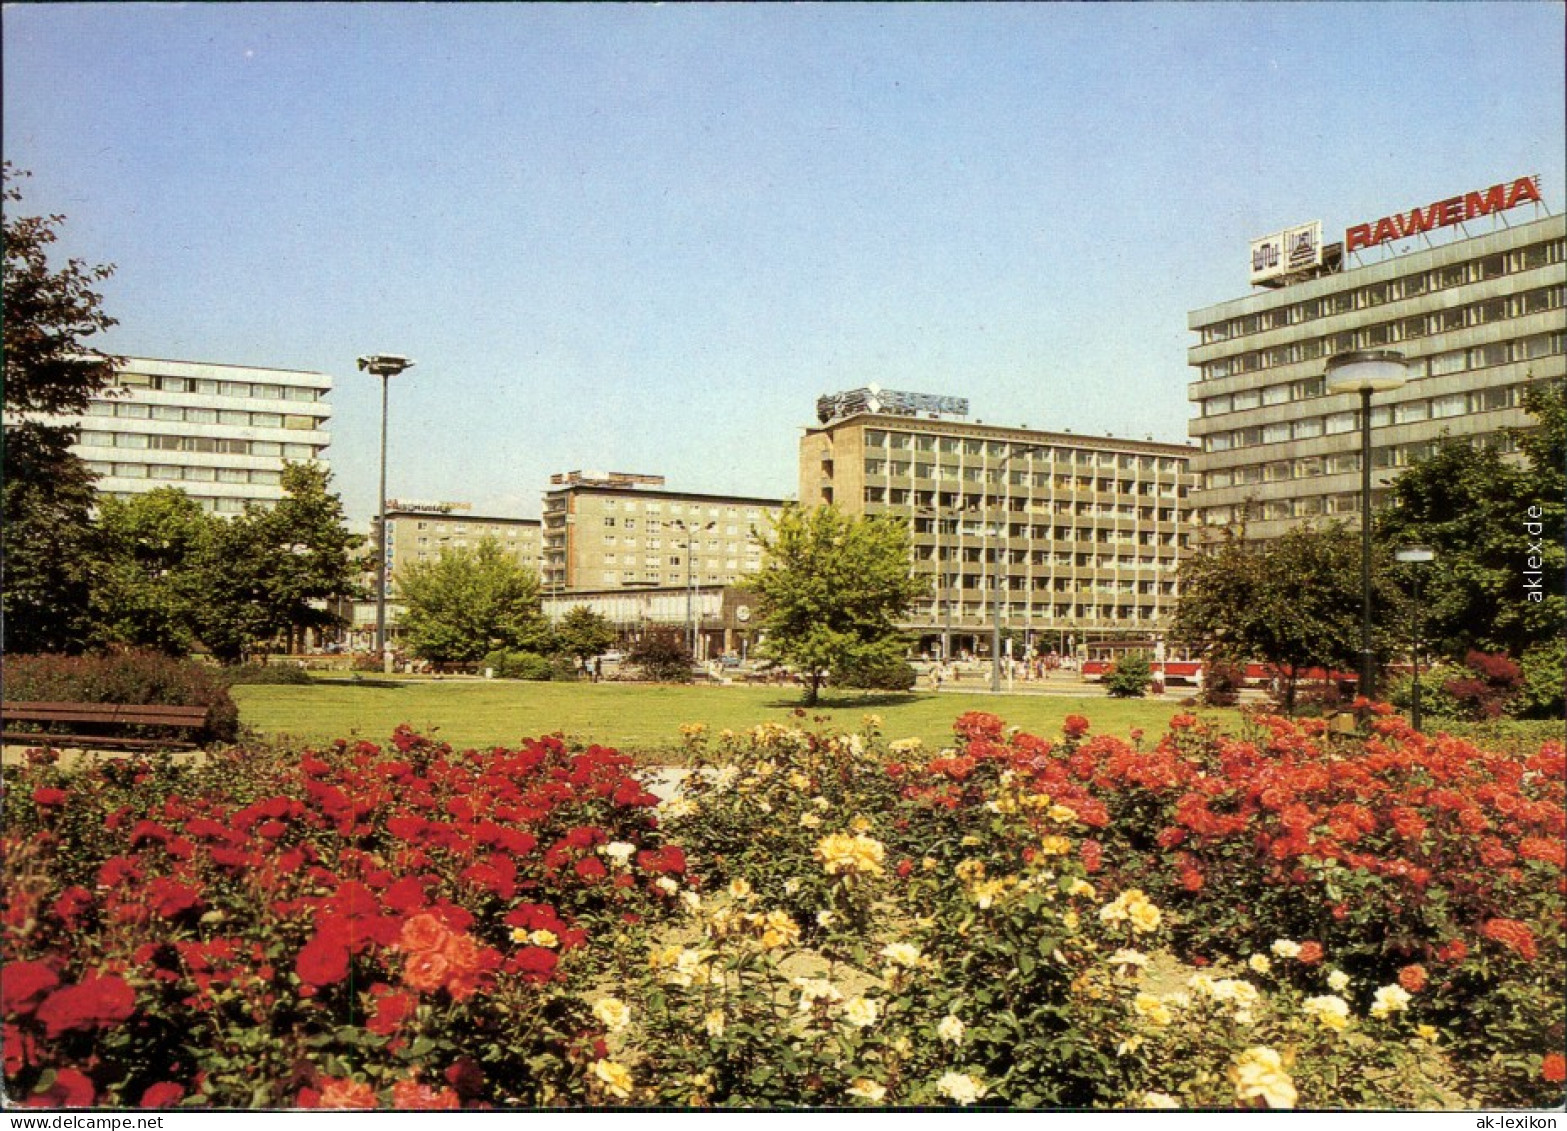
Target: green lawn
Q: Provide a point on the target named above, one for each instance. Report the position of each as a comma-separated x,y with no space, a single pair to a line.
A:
645,719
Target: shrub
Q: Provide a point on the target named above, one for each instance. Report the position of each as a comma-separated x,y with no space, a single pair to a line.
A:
1222,682
520,665
1130,677
1484,693
879,673
661,655
1544,676
1436,702
127,677
286,673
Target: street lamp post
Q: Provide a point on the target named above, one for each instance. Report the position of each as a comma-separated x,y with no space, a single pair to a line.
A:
385,366
690,532
995,589
1366,372
1418,555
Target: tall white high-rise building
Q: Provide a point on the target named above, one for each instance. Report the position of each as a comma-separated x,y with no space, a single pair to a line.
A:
221,433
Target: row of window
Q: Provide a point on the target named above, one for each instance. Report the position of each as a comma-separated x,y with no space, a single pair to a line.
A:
181,414
141,441
210,504
1038,480
1342,463
209,388
1437,365
1067,614
695,510
650,575
924,524
711,546
997,449
653,526
1530,258
1060,585
1384,334
174,472
1406,412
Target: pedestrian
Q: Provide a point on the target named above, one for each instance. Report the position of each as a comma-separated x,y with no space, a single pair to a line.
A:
598,668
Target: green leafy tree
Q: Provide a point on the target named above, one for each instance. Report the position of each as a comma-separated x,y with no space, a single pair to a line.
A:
272,572
583,634
46,491
1293,602
831,590
315,559
661,654
148,589
468,603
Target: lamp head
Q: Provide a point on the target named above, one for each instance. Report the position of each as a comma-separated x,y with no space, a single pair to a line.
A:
384,364
1363,370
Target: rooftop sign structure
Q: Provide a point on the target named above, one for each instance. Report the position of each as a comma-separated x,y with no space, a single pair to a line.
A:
1283,256
1444,213
874,399
604,479
422,507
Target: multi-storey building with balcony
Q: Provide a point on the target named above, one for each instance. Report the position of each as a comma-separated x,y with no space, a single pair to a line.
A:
221,433
1477,319
608,530
1087,533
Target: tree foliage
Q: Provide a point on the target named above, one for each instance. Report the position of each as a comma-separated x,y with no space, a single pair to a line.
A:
1293,602
583,634
270,573
831,590
470,602
1472,507
148,591
46,491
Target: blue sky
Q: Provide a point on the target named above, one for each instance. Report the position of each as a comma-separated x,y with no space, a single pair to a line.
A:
645,238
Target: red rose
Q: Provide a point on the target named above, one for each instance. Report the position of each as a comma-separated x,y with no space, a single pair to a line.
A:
48,795
1310,952
535,963
465,1075
322,961
1075,726
94,1003
1553,1070
23,985
163,1094
591,868
390,1012
1412,978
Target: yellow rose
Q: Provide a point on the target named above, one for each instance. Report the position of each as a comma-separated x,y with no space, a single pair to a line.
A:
1259,1073
613,1013
615,1078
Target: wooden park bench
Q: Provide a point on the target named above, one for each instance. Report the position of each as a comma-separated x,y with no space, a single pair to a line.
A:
94,725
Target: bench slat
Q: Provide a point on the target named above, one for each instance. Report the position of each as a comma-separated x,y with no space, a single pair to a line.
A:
128,713
92,741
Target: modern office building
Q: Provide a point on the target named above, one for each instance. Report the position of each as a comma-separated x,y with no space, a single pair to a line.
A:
221,433
718,619
610,530
1088,532
1477,319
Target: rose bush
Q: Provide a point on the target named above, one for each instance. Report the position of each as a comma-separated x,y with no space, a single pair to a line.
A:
1274,918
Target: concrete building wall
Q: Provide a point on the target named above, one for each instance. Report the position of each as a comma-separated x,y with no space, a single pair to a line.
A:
1089,532
598,538
219,432
1478,319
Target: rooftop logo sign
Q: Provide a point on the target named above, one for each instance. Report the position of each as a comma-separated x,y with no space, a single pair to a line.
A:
1286,252
1444,213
